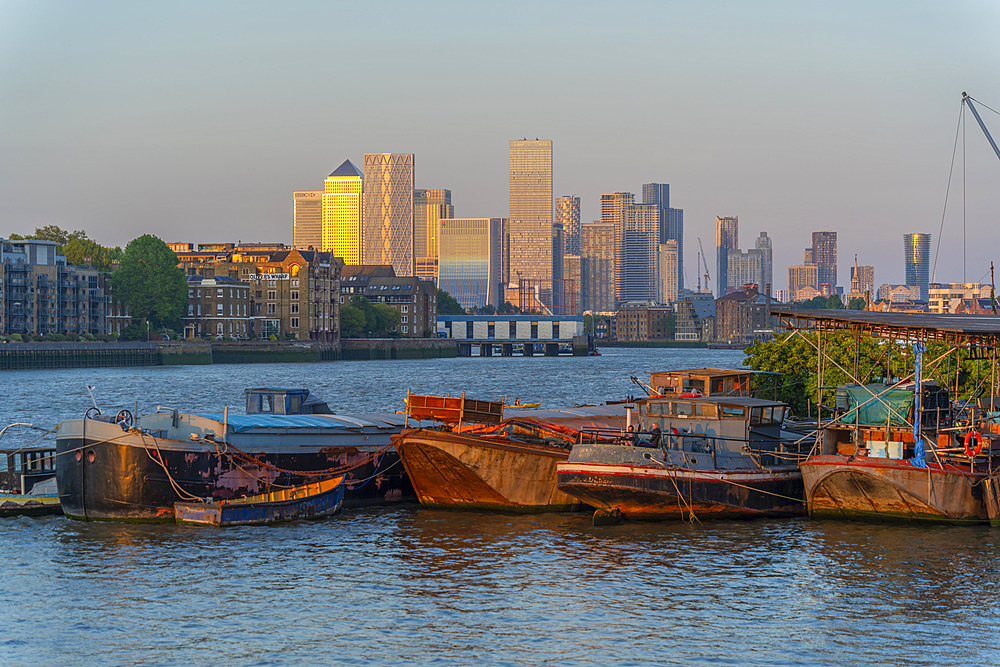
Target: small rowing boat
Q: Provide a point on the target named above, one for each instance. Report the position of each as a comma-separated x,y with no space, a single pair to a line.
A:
309,501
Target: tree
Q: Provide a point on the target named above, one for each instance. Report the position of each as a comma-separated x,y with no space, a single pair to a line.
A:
387,318
53,233
352,321
834,302
588,323
447,305
150,283
509,309
857,304
79,250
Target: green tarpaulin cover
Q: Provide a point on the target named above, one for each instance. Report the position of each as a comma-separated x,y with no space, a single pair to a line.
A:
865,408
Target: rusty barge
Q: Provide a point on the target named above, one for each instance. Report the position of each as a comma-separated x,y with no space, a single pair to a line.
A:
481,460
115,467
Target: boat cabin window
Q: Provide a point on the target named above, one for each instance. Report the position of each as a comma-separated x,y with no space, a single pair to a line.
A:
708,410
657,408
757,416
266,403
694,383
771,415
734,412
718,387
294,404
683,409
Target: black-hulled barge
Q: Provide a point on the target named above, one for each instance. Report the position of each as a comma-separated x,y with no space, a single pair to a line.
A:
109,469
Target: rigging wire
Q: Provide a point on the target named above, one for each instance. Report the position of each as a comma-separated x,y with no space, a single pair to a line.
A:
951,171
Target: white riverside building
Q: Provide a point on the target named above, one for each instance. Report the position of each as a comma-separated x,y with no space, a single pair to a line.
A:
537,333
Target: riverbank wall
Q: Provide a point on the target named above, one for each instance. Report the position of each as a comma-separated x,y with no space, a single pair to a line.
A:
604,342
30,356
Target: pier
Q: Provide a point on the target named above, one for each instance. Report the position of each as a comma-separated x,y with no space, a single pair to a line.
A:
535,335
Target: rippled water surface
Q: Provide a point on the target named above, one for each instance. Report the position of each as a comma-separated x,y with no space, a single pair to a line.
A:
409,586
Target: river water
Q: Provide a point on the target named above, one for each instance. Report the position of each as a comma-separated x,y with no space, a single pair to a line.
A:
409,586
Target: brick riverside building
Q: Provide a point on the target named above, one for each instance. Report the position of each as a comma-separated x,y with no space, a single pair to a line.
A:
218,306
415,299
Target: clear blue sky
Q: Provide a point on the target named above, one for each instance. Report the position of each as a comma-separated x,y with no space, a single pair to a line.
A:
196,121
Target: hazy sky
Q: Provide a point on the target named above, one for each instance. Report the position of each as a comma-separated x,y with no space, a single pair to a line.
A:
196,121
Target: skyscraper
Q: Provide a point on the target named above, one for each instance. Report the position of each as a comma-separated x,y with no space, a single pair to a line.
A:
726,238
668,272
343,211
387,236
640,233
307,219
763,244
745,268
917,256
671,221
613,213
531,211
568,215
429,208
824,256
804,275
597,266
469,254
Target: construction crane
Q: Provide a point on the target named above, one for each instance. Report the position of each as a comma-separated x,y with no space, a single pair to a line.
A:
705,261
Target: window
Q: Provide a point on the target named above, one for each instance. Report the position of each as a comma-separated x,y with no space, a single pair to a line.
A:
259,294
468,329
403,319
295,282
295,323
734,412
295,307
190,293
406,329
555,330
199,309
512,329
342,299
230,310
295,296
404,309
683,409
218,292
190,309
270,309
218,309
270,296
199,292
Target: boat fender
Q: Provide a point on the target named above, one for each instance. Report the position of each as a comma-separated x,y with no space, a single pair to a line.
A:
979,444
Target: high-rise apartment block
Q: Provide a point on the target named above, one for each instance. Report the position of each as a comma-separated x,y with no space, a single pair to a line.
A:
573,272
671,221
745,268
307,219
568,216
387,237
469,255
637,280
531,224
667,282
863,280
726,238
917,257
597,260
824,256
343,212
613,213
799,277
430,207
763,244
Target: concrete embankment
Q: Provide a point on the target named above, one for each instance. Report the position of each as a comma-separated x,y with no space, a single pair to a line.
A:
27,356
604,342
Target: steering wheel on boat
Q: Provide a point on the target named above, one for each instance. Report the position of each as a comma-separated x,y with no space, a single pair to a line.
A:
124,419
92,412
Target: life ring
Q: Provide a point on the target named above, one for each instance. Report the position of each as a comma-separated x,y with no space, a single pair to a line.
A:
979,444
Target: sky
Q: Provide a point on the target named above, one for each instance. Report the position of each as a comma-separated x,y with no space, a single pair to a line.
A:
195,121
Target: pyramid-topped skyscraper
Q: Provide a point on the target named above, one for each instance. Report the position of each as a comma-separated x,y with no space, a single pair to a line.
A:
343,216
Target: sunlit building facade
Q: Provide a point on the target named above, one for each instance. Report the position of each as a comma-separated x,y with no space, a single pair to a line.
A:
387,229
637,280
763,244
824,256
727,238
343,206
917,256
568,216
531,224
597,266
801,277
430,207
469,260
667,282
307,219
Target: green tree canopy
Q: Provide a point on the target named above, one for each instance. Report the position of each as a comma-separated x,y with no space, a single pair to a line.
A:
79,250
352,321
447,305
857,304
150,283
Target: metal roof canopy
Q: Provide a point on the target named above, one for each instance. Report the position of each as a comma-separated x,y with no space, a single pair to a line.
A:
962,330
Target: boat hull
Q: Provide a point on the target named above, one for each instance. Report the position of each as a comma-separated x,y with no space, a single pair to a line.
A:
647,493
847,487
455,471
29,505
105,473
311,501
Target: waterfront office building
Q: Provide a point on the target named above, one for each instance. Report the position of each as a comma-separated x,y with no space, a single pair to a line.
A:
469,261
387,222
726,238
568,217
824,256
597,266
430,207
917,255
531,224
307,219
671,221
343,213
667,282
763,244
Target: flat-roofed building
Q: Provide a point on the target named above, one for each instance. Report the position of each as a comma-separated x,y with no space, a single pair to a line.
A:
727,239
217,307
413,298
469,256
343,213
597,266
430,207
637,280
799,277
946,297
307,219
568,216
387,236
667,282
531,223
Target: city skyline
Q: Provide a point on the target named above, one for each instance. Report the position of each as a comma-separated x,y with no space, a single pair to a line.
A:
226,111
